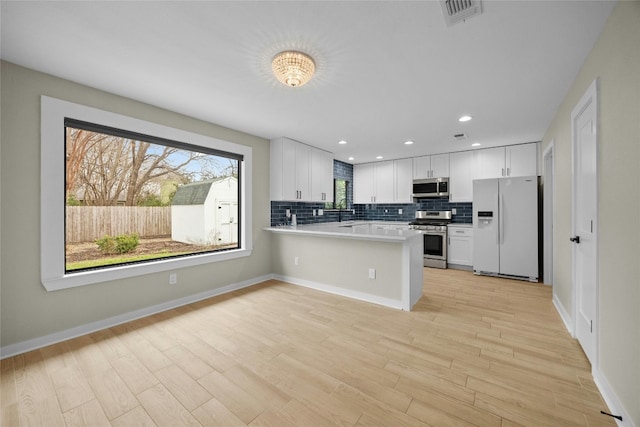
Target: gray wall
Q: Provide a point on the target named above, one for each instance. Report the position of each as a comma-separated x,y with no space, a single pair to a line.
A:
28,311
615,59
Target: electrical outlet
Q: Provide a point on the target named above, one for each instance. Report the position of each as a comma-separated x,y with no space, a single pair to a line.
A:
320,212
372,273
453,211
296,260
287,213
314,212
400,211
173,278
386,210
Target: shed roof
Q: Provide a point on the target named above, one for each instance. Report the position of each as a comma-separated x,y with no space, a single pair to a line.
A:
192,194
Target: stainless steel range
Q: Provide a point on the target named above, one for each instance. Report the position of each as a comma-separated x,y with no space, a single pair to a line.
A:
433,225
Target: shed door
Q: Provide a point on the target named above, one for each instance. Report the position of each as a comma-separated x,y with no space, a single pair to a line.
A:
227,222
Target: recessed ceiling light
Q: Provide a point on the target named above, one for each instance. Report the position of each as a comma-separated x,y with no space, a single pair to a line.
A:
379,157
408,142
475,144
464,118
342,142
351,158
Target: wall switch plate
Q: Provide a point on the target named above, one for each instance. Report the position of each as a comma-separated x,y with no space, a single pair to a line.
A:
372,273
288,213
453,211
296,260
320,212
173,278
400,211
314,212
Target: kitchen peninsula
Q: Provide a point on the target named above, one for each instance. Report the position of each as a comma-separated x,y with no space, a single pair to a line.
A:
378,262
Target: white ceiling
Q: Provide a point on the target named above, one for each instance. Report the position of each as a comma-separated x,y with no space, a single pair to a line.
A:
386,71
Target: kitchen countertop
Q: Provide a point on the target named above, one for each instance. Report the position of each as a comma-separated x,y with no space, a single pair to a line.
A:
390,231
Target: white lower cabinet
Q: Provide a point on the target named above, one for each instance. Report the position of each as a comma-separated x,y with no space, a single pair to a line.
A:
460,246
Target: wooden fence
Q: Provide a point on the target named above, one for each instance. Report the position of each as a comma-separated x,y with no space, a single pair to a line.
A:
88,223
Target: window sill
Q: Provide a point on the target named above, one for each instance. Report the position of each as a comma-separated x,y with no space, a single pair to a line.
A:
91,277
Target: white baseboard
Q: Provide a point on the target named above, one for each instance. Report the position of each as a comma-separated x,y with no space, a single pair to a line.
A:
609,396
564,315
33,344
611,399
387,302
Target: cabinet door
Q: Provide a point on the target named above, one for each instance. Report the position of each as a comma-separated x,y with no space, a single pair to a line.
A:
460,250
491,163
461,175
422,167
288,168
403,180
384,182
440,166
363,183
522,160
321,176
303,172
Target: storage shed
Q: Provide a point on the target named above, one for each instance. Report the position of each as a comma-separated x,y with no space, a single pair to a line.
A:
206,212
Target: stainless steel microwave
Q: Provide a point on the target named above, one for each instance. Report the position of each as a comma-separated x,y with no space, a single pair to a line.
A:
431,187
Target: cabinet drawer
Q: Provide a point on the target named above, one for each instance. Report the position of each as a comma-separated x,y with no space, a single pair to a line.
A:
460,231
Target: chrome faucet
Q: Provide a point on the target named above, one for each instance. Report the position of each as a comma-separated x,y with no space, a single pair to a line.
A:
340,209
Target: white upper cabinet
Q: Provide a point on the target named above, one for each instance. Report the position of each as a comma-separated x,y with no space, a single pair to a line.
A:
440,165
292,173
421,167
462,170
385,187
403,180
522,160
490,163
510,161
374,182
321,176
364,183
435,166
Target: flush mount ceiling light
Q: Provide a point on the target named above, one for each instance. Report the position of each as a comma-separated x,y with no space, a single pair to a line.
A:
464,118
408,142
342,142
293,68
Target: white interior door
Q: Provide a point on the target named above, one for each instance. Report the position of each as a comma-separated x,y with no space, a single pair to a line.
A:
585,256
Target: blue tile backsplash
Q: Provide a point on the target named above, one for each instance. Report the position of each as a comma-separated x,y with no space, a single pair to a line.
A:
369,212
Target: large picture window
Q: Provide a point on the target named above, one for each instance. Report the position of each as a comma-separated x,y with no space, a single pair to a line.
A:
132,198
123,197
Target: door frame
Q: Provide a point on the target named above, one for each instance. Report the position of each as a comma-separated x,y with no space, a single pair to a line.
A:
589,97
549,217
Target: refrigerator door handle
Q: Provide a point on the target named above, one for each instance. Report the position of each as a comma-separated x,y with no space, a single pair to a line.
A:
501,218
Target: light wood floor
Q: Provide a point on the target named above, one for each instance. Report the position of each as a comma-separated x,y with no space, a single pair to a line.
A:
476,351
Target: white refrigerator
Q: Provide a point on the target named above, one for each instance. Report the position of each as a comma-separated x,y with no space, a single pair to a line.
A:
505,227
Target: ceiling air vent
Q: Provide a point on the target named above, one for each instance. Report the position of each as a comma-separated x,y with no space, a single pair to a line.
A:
460,10
460,136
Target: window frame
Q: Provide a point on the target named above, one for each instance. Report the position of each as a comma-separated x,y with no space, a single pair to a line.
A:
52,200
